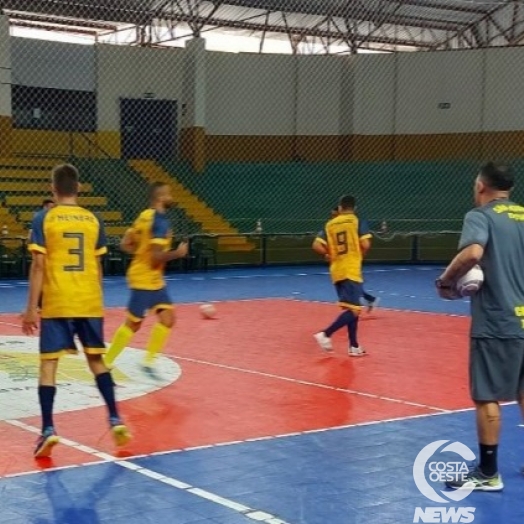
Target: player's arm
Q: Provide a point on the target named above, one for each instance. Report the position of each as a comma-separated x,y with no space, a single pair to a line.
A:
37,247
36,281
365,245
100,269
100,248
128,242
159,256
160,239
473,240
320,245
364,236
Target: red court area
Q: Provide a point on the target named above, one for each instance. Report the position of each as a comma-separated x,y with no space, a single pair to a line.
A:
256,371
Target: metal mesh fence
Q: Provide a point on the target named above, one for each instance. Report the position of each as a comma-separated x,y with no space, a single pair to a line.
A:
261,142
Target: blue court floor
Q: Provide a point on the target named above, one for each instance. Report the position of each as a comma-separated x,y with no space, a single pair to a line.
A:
399,287
360,473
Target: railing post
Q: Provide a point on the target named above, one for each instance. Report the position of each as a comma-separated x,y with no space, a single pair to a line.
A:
415,248
263,241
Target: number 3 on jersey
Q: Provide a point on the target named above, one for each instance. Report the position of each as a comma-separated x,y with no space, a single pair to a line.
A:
342,243
77,251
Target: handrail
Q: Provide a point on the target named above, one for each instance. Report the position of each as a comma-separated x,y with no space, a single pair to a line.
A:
91,142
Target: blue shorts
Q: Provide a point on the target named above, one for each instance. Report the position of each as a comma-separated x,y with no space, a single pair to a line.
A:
349,294
142,301
57,336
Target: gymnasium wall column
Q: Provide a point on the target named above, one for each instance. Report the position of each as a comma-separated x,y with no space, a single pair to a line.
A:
193,136
5,89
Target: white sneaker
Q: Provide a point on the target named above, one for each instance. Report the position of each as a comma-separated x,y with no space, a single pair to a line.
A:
323,341
357,352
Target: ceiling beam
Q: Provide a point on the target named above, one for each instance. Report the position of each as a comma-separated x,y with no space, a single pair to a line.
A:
298,31
49,19
473,27
444,6
55,28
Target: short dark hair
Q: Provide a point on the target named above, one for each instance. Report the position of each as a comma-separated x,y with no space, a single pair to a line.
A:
499,177
334,209
65,180
47,201
347,202
153,189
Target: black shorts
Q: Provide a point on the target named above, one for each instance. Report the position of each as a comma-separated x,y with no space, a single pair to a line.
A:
143,301
57,336
496,369
349,294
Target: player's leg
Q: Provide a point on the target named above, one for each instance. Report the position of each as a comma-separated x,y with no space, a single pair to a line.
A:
90,332
349,294
46,397
520,399
371,300
495,376
323,338
162,328
56,337
349,297
136,312
368,297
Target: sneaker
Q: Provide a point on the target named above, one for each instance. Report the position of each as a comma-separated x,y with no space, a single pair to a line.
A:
478,481
120,432
150,372
373,304
45,443
323,341
357,352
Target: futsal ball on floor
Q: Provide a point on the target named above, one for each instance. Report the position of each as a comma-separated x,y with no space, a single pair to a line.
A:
208,310
471,282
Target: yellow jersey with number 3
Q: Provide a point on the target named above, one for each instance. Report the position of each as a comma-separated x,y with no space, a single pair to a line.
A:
342,236
71,238
150,228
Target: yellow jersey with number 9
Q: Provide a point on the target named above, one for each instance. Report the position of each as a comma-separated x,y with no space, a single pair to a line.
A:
71,238
342,236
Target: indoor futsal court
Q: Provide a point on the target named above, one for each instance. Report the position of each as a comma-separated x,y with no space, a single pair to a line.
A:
251,422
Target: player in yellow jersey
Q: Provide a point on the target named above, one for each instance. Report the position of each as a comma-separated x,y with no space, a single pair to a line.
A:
149,240
371,300
67,243
344,242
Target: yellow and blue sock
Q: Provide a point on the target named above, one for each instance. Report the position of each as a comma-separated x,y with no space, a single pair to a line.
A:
122,337
46,396
107,390
157,341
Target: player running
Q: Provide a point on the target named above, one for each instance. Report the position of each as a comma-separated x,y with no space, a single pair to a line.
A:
371,300
344,242
149,240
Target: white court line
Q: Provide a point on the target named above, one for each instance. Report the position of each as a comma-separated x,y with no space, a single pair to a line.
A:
106,458
308,383
246,511
255,515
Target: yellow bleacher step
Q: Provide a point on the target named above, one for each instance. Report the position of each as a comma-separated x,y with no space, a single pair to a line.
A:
29,174
197,210
39,163
111,216
115,231
36,201
34,187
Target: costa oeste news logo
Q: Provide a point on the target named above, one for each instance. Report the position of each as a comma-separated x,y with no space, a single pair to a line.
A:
431,466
